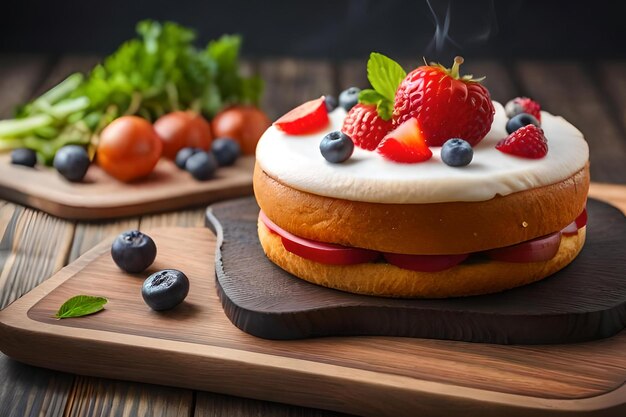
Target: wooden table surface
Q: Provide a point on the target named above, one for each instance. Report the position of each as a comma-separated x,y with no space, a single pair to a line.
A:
34,245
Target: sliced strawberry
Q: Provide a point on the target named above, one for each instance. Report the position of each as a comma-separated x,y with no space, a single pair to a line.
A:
540,249
405,144
325,253
365,127
527,142
523,105
578,223
425,263
306,118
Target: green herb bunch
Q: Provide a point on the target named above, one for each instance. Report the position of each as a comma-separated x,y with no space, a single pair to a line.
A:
158,72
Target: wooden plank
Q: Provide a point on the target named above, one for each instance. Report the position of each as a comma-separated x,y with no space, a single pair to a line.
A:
39,247
100,196
33,246
31,391
93,397
216,405
577,373
88,235
291,82
19,75
564,88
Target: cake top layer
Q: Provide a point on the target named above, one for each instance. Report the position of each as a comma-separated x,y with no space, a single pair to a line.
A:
296,161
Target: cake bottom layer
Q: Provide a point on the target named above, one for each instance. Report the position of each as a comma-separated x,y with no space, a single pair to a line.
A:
424,229
384,279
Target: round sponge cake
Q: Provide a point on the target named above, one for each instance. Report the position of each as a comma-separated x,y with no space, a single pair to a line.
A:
422,209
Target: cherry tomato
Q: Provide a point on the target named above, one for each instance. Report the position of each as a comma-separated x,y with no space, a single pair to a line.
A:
182,129
245,124
129,148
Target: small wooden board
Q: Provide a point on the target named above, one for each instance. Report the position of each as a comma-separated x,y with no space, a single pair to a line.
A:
100,196
584,301
196,346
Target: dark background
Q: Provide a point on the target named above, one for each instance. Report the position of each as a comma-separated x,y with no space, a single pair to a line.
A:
333,29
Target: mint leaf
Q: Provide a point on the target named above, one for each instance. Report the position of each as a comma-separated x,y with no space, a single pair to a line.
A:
384,106
369,96
81,305
384,74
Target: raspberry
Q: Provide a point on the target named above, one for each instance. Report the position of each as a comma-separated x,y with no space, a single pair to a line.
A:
527,142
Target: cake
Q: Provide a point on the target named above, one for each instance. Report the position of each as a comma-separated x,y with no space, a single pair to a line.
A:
402,218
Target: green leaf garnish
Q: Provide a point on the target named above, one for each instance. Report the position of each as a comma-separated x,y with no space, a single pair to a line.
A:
81,305
384,106
385,75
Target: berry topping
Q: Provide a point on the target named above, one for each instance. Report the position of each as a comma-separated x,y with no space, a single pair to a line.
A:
336,147
405,144
24,156
446,104
365,126
306,118
457,153
201,165
226,151
331,103
523,105
527,142
349,98
521,120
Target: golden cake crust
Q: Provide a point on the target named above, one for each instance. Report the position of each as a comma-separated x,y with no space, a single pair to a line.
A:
434,228
383,279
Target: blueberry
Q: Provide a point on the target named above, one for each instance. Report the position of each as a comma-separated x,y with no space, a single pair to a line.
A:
521,120
165,289
457,152
201,165
349,98
336,147
24,156
513,108
133,251
331,103
72,162
184,154
226,151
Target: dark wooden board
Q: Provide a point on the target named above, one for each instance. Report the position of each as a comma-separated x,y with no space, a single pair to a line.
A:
584,301
100,196
196,346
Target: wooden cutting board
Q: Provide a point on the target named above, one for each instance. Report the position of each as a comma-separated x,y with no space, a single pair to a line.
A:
100,196
196,346
586,300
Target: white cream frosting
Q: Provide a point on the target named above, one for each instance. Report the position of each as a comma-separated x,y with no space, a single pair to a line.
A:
296,161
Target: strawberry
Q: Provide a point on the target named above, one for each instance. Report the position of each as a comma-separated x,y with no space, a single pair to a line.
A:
365,127
306,118
523,105
405,144
445,104
527,142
